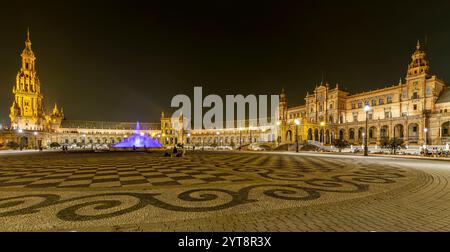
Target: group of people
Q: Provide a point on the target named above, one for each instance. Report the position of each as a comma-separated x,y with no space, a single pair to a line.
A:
435,152
176,152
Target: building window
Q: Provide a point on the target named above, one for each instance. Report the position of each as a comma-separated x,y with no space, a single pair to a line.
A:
415,106
355,117
370,116
353,105
389,99
360,104
352,134
387,114
415,95
381,102
374,102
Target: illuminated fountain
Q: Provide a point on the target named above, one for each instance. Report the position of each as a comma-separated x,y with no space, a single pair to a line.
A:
138,140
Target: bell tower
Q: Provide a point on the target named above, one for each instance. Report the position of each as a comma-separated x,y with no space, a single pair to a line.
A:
419,64
27,111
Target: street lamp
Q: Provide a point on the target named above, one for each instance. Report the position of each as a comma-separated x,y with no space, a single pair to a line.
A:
240,138
366,148
425,130
278,133
297,123
35,139
322,124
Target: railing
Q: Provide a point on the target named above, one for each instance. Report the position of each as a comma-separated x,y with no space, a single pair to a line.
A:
318,145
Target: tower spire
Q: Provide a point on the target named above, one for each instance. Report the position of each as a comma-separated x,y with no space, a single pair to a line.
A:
419,63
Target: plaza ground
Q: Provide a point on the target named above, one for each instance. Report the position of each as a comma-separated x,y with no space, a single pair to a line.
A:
222,191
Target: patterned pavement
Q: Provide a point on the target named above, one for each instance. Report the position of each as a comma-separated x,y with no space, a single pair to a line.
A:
221,192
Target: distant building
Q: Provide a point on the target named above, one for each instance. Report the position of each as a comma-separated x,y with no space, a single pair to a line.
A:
32,127
408,110
27,111
403,110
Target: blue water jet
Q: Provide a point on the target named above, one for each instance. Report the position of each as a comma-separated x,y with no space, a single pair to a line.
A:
138,140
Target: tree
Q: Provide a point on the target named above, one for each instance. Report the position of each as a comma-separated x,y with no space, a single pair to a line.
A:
340,144
393,144
55,145
12,145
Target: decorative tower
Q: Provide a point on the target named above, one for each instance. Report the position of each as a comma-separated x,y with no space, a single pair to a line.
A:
419,64
55,118
27,110
283,107
283,117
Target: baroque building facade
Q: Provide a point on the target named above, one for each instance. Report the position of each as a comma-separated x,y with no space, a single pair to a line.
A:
417,110
27,110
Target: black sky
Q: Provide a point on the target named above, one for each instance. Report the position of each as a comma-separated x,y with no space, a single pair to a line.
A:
125,60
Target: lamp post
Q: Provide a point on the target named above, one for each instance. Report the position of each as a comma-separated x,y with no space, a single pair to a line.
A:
219,142
20,131
297,123
425,130
240,138
322,124
35,139
188,140
366,148
278,133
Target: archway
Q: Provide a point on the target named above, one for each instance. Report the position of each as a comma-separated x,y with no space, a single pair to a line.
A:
361,134
351,134
310,134
372,134
289,136
341,134
23,142
327,137
384,133
398,131
316,135
445,132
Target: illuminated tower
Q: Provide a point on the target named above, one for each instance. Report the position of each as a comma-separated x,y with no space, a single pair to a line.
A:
27,110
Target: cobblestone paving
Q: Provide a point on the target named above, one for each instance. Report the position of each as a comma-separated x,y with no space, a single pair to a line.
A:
222,192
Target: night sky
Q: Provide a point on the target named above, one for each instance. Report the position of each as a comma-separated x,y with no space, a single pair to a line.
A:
125,60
